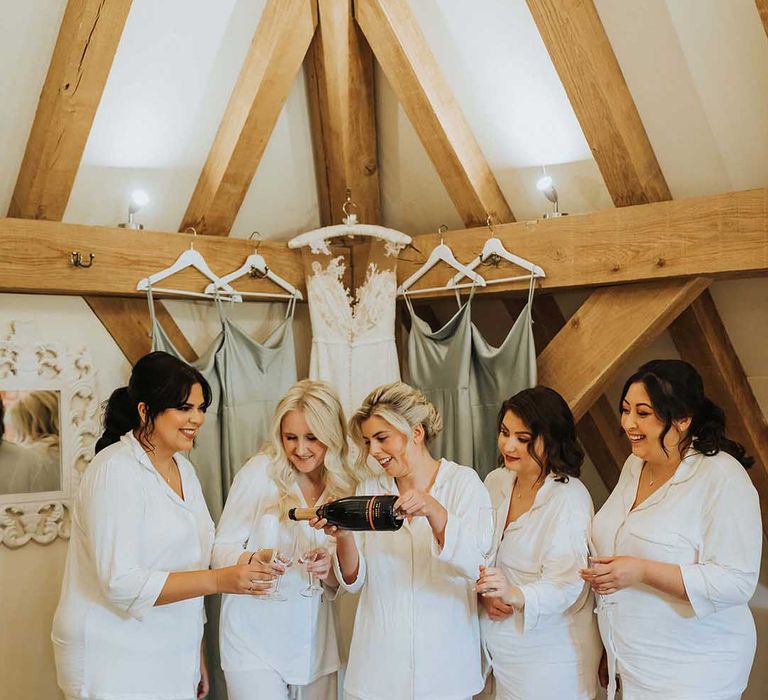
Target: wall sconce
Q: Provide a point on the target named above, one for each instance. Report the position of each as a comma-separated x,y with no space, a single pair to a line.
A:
138,200
546,186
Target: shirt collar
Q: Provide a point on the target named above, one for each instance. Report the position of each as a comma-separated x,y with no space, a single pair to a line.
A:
687,468
138,451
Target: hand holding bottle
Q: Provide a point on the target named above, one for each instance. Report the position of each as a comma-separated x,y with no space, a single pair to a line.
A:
330,530
413,503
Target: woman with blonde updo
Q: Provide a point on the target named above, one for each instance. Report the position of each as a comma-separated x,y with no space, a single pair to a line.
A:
275,646
416,631
35,422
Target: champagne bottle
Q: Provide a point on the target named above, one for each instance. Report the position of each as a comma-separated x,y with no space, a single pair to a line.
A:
355,513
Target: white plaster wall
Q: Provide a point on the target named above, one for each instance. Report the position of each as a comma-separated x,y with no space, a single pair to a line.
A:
30,577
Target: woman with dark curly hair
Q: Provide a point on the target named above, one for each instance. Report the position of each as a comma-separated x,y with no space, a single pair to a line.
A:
679,541
538,626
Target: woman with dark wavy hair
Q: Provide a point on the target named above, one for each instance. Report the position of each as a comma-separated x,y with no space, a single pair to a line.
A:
539,629
679,541
130,618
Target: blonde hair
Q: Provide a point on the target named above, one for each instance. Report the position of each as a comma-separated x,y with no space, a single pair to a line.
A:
35,417
325,417
403,407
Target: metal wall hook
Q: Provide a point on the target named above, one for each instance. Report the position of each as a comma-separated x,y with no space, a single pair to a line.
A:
76,259
193,231
258,239
441,230
350,218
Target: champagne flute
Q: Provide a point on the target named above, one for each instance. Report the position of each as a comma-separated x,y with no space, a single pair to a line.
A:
485,533
307,558
284,553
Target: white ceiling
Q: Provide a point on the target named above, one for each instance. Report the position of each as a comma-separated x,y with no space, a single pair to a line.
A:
698,70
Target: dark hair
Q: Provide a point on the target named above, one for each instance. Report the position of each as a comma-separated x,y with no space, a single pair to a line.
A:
676,391
158,380
547,415
2,415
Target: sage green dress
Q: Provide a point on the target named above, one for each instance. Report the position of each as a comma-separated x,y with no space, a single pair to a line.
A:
467,380
497,374
439,364
254,377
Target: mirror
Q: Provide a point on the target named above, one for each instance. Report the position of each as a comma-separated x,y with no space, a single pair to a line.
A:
30,441
49,422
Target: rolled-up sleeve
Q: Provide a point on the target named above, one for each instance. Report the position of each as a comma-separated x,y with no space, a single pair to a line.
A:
729,565
559,585
357,584
114,511
237,518
460,549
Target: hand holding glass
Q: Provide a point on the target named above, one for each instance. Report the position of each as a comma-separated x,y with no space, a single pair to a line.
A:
311,555
484,533
283,553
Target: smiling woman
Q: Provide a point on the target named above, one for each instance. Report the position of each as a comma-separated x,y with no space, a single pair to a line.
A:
141,539
303,464
679,542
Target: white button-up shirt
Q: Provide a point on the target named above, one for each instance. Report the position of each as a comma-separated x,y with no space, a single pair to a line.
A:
297,637
129,531
416,634
542,553
706,518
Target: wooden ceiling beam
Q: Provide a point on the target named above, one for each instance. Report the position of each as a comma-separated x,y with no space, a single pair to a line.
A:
717,236
724,234
82,58
403,53
604,334
273,61
762,9
702,340
127,321
36,259
583,58
340,86
342,110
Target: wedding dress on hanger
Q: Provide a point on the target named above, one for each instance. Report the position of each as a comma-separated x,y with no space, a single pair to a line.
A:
353,340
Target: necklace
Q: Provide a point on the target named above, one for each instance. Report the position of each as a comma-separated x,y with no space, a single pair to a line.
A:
535,486
650,474
165,476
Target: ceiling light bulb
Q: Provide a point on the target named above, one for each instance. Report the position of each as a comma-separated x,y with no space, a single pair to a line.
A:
139,199
544,183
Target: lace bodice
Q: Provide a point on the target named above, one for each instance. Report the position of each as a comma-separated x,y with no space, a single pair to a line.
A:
336,317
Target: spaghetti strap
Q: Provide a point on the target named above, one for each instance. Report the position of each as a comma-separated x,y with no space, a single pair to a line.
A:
151,307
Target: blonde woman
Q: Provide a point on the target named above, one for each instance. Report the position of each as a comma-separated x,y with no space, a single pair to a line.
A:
416,631
271,648
34,419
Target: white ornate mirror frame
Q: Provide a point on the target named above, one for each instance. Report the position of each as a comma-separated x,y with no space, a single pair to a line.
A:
29,362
